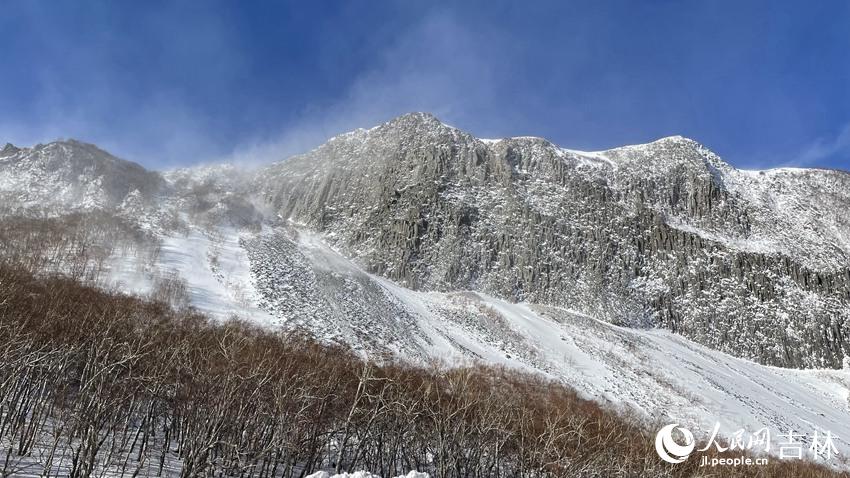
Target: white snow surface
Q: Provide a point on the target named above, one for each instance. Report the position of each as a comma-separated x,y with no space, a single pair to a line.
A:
214,266
661,376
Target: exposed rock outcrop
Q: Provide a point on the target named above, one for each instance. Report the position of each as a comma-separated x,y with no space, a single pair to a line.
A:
666,234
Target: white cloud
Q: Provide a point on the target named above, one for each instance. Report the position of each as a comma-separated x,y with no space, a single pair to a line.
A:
441,66
822,149
85,90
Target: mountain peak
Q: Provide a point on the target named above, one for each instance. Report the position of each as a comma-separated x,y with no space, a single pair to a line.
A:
674,140
418,122
76,144
679,139
9,149
417,117
675,137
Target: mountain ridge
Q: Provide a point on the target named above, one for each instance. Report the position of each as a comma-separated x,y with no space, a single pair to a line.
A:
426,205
11,148
660,234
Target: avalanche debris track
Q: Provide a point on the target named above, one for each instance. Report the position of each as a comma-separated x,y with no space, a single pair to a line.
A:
298,280
303,283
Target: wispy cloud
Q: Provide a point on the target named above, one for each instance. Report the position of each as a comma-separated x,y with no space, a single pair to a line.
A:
440,66
83,85
823,149
189,82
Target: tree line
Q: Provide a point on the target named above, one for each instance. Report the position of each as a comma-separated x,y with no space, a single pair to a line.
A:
102,384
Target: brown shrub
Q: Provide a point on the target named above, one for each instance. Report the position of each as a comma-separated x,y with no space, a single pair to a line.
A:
93,381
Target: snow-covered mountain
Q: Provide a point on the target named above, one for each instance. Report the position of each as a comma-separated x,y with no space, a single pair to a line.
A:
663,234
70,175
652,276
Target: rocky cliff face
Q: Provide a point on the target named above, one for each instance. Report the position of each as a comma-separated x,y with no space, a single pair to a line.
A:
756,264
68,175
751,263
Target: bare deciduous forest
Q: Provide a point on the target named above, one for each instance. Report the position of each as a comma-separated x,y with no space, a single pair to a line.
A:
99,384
76,245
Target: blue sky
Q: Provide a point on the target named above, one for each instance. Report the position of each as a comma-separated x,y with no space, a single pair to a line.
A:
764,84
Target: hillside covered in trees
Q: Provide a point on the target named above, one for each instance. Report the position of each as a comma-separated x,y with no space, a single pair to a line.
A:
103,384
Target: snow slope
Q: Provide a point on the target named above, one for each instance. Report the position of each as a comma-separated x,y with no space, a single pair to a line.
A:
660,375
213,265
